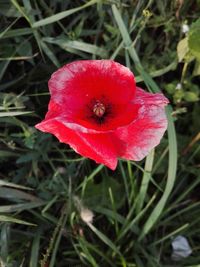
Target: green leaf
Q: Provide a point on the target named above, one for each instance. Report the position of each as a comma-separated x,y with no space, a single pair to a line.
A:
4,183
14,113
196,71
50,54
98,193
182,49
35,249
172,167
194,39
62,15
66,44
20,207
145,180
194,43
6,154
17,32
104,238
8,10
191,96
10,193
31,156
10,219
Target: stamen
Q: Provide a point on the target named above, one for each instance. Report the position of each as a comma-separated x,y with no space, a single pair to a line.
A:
99,109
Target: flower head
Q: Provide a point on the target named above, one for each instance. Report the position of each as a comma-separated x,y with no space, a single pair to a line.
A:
96,108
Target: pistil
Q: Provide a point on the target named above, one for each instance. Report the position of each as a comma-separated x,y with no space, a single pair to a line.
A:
99,109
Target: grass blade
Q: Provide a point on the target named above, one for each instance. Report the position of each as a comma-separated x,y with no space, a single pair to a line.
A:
170,177
10,219
172,167
145,181
62,15
14,113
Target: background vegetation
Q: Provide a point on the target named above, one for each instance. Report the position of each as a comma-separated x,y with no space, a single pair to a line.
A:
46,189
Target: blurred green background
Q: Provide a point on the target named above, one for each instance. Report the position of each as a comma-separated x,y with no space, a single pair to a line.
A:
47,191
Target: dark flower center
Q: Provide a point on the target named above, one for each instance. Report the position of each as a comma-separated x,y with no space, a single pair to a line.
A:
99,109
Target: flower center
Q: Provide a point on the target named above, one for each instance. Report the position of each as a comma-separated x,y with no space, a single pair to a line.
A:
99,109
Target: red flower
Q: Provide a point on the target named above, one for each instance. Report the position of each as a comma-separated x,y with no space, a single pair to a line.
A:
97,109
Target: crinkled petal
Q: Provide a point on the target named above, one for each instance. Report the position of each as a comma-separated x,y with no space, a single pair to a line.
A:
78,82
98,147
141,136
77,85
145,98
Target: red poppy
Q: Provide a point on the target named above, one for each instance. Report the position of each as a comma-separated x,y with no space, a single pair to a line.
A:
97,109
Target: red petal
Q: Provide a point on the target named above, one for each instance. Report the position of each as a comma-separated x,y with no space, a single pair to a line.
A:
141,136
78,82
54,110
145,98
122,115
98,147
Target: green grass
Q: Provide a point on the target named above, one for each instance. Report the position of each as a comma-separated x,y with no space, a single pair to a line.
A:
142,206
